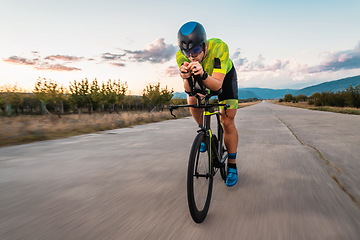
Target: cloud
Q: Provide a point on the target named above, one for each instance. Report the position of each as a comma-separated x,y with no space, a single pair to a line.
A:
63,57
258,65
237,59
20,60
118,64
277,65
172,71
56,67
335,61
156,52
111,56
340,60
292,74
42,64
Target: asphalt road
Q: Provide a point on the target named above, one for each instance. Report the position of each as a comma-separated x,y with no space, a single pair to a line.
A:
298,169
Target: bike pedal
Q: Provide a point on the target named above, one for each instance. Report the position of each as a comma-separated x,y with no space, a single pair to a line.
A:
217,164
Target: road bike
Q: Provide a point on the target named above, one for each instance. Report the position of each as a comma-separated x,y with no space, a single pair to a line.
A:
203,165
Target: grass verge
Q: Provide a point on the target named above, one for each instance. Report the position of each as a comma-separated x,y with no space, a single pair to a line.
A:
26,129
344,110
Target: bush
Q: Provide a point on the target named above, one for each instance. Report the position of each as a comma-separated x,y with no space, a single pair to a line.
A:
347,98
301,98
288,98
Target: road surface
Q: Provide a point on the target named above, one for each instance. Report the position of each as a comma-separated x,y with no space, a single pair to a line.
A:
298,169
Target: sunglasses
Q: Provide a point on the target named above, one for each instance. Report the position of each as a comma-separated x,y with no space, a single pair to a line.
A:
193,51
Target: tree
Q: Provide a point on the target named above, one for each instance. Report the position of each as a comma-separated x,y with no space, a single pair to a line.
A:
91,95
31,104
154,96
314,99
339,99
95,95
12,99
50,93
133,102
120,90
80,94
2,101
113,94
301,98
166,96
289,98
352,96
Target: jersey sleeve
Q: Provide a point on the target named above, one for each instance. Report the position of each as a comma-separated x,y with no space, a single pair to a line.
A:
180,58
221,58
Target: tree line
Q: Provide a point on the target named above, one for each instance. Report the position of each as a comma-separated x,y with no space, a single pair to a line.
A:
49,97
347,98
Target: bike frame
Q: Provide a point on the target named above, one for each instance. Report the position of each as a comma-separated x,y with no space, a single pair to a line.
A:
215,151
203,96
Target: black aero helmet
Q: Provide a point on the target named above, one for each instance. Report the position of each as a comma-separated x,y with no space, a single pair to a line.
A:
190,35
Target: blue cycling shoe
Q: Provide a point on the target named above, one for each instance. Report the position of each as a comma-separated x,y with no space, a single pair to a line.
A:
232,177
203,147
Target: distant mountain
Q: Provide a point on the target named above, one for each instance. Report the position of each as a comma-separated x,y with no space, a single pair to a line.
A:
266,93
244,93
181,95
263,93
332,86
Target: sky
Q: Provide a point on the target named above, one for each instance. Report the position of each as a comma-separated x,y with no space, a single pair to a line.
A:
274,44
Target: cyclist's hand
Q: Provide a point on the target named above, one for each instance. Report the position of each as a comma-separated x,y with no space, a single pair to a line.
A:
185,71
196,68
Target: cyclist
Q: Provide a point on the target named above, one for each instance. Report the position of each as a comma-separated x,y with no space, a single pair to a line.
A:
209,58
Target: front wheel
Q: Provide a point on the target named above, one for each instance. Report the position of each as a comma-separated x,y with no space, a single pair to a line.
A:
199,179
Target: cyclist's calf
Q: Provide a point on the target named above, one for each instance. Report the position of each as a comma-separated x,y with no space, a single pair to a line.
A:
230,131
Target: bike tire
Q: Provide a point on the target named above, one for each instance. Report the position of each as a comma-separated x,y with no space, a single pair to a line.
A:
222,152
223,167
223,172
199,179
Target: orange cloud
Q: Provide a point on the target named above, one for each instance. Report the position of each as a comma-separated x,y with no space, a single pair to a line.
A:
172,71
118,64
20,60
63,57
56,67
40,65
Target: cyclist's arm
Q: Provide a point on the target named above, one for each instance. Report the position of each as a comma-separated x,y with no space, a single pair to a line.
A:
221,63
184,73
214,82
186,86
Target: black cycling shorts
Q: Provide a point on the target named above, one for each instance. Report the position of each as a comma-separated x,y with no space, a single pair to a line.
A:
230,86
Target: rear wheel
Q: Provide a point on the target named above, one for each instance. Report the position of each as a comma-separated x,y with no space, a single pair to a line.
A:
222,152
223,167
199,179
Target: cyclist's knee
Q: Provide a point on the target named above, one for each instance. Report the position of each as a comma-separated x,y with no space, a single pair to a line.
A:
227,122
191,100
228,119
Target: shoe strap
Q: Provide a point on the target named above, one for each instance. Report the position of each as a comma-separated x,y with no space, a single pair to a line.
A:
232,170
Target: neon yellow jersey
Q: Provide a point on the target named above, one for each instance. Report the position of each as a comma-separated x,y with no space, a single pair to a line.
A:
217,58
